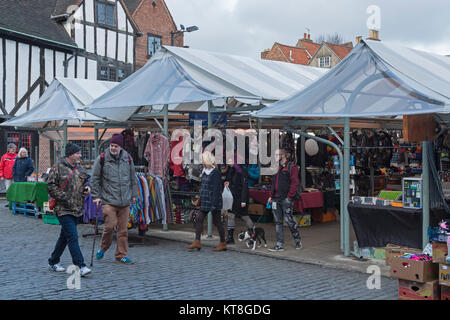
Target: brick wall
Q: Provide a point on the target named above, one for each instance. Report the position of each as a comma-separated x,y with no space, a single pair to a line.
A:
44,154
155,20
275,54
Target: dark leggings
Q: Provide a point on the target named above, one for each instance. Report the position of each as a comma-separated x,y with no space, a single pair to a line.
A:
217,220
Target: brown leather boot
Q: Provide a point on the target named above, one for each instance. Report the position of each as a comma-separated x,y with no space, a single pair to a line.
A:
221,247
195,245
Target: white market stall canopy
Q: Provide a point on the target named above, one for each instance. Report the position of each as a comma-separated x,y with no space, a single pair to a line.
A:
375,79
64,99
186,78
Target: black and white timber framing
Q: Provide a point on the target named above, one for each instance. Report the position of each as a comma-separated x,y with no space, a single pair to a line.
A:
28,63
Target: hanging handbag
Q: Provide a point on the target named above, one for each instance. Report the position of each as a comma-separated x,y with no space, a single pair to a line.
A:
52,201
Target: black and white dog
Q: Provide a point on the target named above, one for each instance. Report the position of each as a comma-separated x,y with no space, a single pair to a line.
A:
249,241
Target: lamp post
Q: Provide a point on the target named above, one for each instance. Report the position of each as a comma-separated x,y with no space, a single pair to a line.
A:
183,30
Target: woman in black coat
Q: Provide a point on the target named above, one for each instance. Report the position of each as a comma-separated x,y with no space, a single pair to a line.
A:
237,181
23,167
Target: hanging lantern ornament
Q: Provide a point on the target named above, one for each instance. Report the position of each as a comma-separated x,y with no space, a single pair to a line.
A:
311,147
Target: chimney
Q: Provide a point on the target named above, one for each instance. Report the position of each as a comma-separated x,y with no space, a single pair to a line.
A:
265,53
358,39
304,35
373,35
309,36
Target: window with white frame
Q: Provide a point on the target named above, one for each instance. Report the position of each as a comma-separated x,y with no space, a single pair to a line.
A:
325,62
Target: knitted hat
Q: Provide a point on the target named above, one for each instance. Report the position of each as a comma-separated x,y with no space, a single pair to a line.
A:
117,138
72,148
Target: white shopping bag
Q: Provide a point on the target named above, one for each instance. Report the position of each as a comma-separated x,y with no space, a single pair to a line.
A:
227,199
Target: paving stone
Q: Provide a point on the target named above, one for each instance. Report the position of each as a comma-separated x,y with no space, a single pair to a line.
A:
167,271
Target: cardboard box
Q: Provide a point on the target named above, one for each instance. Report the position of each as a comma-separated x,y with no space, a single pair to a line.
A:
444,275
395,250
445,293
412,290
256,209
420,271
318,215
440,252
302,220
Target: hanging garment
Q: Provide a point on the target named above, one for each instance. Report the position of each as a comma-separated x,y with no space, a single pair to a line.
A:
157,153
177,168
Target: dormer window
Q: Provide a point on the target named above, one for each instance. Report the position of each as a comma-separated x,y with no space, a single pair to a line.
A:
325,62
106,13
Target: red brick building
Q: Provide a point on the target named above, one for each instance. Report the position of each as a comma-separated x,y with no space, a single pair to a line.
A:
157,25
300,54
307,52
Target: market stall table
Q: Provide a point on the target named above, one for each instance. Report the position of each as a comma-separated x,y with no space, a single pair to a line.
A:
376,226
312,199
26,192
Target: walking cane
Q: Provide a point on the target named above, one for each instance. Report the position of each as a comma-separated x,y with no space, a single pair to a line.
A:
95,234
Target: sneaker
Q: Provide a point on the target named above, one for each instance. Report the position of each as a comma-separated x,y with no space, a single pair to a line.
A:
56,267
125,260
99,255
298,245
277,248
84,271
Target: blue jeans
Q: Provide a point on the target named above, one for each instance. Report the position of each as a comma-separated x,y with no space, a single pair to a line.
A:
68,237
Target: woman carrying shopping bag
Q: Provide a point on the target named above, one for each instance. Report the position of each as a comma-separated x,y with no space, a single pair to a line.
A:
237,181
210,200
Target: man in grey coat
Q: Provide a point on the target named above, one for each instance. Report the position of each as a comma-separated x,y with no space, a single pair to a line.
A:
114,186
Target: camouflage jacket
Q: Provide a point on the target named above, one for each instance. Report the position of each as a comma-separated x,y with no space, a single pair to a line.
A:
71,199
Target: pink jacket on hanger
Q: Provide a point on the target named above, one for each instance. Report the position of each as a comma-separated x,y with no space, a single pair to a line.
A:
157,153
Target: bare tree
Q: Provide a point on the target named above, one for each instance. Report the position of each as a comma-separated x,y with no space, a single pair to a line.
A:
335,38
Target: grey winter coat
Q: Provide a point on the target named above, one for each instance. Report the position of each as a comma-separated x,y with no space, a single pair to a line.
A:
115,184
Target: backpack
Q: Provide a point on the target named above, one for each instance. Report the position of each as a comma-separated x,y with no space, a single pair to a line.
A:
102,162
298,194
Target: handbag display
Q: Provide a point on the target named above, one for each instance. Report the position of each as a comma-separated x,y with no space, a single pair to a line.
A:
52,201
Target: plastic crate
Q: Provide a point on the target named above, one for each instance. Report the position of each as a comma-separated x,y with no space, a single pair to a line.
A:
266,218
25,209
50,219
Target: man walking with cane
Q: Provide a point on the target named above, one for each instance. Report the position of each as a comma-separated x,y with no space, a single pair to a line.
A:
67,183
114,186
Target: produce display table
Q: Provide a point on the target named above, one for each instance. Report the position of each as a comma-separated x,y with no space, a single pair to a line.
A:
376,226
309,199
25,192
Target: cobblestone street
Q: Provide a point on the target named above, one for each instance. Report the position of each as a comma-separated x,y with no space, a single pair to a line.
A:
165,270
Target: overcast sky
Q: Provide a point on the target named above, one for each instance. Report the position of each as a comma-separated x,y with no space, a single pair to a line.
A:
247,27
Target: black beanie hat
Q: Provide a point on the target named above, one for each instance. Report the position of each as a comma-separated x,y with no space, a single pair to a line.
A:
72,148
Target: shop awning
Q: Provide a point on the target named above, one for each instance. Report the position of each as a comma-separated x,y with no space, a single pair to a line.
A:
64,99
375,79
186,78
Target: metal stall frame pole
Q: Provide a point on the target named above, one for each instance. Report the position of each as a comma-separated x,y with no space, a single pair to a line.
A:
425,192
345,166
166,133
210,125
65,137
341,178
259,122
303,159
95,141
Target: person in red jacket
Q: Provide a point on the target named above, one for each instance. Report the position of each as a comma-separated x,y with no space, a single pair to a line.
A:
7,164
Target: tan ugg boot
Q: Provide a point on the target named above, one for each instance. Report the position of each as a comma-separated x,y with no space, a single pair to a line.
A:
195,245
221,247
